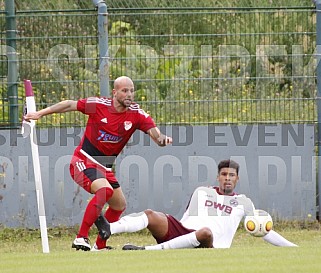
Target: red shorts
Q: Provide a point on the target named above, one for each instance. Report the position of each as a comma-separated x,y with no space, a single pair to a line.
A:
175,229
84,172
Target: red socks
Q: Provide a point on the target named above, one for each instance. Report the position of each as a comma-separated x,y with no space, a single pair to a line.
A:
113,215
94,209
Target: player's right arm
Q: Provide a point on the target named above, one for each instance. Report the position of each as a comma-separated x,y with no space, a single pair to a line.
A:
60,107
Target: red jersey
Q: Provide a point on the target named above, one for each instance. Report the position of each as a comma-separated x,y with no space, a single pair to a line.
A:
107,131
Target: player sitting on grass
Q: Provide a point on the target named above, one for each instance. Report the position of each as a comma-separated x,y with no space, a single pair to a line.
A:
211,218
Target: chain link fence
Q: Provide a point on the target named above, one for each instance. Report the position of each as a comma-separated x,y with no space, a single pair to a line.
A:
23,5
190,66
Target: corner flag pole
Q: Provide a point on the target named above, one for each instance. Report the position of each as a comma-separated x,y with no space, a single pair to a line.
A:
31,107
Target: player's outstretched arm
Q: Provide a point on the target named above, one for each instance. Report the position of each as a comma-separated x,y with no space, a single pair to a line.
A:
60,107
159,138
276,239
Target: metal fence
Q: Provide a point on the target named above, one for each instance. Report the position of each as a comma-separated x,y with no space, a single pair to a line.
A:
190,66
143,4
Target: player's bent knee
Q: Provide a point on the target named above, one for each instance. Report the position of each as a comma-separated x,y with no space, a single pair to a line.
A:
204,235
122,207
118,200
153,214
148,212
104,194
99,183
122,204
155,217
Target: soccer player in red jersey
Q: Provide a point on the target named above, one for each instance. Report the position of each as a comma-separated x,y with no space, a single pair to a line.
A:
111,123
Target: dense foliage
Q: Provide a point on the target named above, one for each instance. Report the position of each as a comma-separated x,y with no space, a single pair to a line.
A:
205,65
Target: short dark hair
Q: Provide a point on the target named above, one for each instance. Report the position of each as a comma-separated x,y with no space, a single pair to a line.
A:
228,163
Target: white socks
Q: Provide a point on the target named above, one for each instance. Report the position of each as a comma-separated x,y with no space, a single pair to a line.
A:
276,239
185,241
130,223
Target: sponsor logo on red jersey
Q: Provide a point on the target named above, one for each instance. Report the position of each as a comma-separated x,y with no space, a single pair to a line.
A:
106,137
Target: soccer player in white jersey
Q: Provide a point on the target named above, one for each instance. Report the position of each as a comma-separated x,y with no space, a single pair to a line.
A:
211,218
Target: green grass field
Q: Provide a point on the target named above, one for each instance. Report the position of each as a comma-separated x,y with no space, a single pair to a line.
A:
21,252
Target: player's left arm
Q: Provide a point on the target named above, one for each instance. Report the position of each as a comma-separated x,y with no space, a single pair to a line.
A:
276,239
159,138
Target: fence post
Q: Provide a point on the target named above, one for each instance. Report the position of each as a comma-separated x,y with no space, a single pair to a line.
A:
318,100
103,47
12,83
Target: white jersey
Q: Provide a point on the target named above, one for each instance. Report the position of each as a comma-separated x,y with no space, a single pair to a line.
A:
220,213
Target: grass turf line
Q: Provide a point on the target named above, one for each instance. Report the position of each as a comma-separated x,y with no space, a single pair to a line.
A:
247,254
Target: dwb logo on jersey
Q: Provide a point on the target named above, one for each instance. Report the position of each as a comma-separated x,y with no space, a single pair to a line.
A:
128,125
215,205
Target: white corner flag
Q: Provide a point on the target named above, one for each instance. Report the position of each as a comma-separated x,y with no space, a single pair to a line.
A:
31,107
